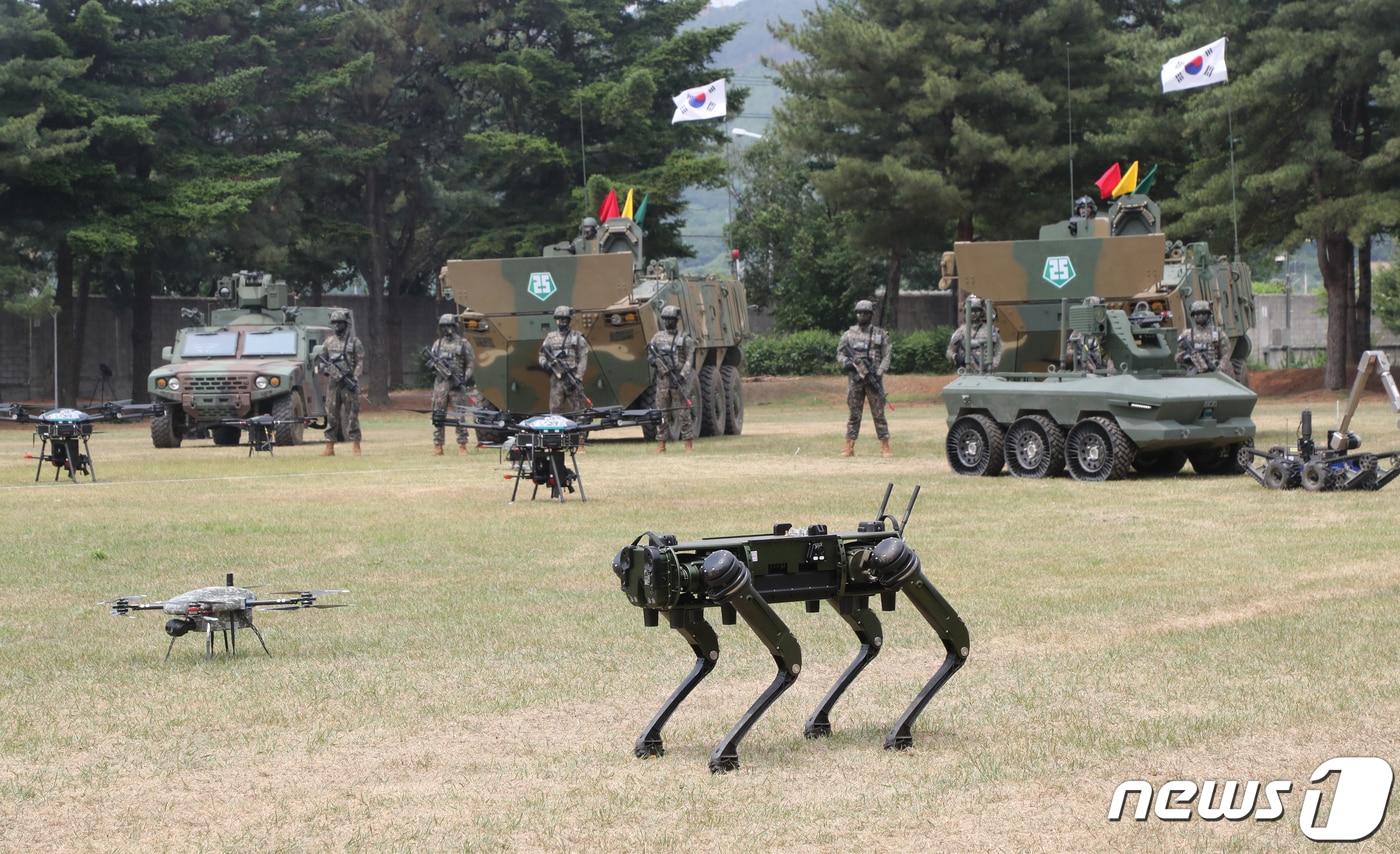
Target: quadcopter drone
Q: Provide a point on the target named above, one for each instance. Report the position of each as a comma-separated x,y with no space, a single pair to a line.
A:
219,609
63,433
262,430
539,443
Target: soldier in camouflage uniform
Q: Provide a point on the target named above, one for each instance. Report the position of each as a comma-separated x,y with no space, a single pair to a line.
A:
672,355
342,405
1085,352
447,392
864,354
984,355
564,352
1202,348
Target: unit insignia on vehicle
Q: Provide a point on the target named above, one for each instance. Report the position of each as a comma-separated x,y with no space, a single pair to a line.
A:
1059,270
542,286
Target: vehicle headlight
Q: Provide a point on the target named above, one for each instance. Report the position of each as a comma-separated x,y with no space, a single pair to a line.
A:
174,384
260,382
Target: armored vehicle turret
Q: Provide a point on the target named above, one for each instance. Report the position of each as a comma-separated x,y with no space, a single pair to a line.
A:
506,308
254,357
1115,281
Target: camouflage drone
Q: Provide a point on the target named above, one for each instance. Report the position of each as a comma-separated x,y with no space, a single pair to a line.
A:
63,433
219,609
262,430
538,444
742,575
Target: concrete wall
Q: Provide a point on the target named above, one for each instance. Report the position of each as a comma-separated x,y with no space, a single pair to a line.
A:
26,346
1295,322
917,310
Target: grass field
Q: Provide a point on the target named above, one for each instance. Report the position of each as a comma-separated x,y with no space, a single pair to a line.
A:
485,690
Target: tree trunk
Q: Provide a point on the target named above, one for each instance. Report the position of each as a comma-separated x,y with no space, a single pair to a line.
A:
1351,354
378,368
1362,330
66,366
889,307
394,343
1334,259
318,292
965,227
142,286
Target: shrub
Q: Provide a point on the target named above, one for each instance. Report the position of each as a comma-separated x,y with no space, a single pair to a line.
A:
814,352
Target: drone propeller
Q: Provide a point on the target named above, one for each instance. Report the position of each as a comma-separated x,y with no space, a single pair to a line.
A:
123,600
305,593
314,605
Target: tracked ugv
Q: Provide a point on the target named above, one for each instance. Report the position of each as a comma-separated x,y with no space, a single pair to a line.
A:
507,305
742,575
1116,281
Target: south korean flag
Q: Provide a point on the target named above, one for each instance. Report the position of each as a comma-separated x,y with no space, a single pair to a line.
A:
1196,68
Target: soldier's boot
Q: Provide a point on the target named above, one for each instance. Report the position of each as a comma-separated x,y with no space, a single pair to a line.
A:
885,448
437,450
689,445
329,450
661,446
356,447
462,449
850,449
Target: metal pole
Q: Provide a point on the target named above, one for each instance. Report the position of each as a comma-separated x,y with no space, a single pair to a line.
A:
1234,209
1069,109
55,357
583,156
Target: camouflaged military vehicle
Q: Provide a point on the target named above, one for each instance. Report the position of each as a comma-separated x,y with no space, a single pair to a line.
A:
253,358
1140,412
507,306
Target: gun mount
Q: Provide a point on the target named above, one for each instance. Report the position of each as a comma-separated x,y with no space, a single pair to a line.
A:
744,575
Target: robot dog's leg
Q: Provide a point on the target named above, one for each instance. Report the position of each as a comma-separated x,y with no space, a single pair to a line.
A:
898,568
729,582
701,637
855,610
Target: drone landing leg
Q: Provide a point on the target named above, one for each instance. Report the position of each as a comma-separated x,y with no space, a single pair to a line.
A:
701,637
856,612
87,454
43,447
209,643
951,631
260,638
737,591
169,648
578,475
233,635
70,450
225,633
556,490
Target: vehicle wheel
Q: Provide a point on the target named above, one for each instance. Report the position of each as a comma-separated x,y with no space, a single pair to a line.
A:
1160,462
165,429
1317,476
975,446
711,402
225,435
647,401
1370,471
289,407
1035,447
1280,474
490,437
1229,459
733,399
1098,449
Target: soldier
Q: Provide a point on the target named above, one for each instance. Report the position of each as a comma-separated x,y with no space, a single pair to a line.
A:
346,355
671,353
564,353
985,352
1085,352
1202,348
1084,212
455,366
864,354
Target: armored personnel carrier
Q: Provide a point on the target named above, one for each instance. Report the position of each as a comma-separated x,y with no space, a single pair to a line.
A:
507,305
1118,280
253,358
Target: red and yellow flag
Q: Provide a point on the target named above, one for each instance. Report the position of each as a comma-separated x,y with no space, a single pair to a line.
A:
1129,182
627,206
1108,180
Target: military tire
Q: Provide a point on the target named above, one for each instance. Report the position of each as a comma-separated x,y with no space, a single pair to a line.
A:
1160,462
289,407
1317,477
711,402
975,446
1230,459
646,401
1097,449
225,436
733,399
1035,447
165,431
1280,474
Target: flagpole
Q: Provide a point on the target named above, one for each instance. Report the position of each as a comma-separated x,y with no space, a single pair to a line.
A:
1069,109
1234,205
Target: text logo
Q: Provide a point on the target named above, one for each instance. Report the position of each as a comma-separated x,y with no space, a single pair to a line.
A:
1356,812
542,286
1059,270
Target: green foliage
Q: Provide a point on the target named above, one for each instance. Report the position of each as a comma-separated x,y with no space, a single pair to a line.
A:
813,352
1385,295
1268,286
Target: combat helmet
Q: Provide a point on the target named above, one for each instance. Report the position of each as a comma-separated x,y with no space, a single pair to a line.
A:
671,312
1083,202
563,311
865,305
340,315
976,304
1200,306
448,320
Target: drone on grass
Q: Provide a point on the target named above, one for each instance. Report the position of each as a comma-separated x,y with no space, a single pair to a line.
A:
63,433
220,609
543,449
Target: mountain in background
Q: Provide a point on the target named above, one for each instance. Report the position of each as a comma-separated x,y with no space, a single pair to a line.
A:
708,210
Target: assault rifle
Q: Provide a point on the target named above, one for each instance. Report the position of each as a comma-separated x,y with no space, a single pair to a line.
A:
666,362
447,370
1194,356
556,364
865,371
336,369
